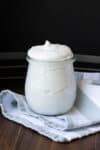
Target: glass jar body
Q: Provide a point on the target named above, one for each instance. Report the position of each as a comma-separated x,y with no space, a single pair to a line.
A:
50,87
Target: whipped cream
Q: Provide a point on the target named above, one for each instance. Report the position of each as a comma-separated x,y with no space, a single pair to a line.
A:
50,52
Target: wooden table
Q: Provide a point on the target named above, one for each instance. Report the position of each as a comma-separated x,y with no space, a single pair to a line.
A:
17,137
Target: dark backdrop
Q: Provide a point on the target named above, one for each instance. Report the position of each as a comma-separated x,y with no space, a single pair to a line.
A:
29,22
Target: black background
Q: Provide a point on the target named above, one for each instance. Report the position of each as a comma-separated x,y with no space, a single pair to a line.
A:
30,22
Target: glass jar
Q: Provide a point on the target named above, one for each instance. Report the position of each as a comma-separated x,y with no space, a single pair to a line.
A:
50,86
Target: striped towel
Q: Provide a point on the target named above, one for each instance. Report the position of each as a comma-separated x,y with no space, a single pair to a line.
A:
82,120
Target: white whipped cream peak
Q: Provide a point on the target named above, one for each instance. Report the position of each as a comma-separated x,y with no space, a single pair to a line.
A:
50,52
47,43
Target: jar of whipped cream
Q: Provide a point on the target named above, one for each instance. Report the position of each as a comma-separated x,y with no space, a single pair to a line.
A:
50,86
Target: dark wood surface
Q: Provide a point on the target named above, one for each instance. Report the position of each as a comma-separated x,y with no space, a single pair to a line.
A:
16,137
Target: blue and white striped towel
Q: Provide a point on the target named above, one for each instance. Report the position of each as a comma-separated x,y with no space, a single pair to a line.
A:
82,120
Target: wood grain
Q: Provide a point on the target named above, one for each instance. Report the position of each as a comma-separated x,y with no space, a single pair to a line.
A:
9,133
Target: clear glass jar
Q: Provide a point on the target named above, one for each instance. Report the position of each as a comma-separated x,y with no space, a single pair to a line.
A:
50,87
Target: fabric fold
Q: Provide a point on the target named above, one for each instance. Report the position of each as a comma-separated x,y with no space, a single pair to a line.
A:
82,120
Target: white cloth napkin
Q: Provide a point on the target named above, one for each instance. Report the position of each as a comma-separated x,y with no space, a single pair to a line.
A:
82,120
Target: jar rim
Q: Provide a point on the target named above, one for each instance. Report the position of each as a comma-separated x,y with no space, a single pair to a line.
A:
28,58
